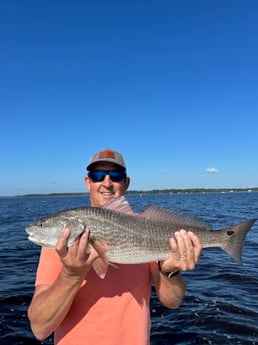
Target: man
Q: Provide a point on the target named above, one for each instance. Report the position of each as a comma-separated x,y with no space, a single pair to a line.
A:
71,300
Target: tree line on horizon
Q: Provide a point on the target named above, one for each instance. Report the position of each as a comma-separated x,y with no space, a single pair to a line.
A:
158,191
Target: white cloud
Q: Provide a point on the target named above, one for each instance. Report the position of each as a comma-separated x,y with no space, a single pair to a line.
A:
212,170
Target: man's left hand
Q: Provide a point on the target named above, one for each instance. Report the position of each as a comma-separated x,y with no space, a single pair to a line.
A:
186,250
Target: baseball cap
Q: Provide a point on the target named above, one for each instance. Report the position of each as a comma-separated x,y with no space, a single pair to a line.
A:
107,155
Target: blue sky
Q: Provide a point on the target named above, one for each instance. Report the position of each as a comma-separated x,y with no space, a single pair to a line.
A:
173,85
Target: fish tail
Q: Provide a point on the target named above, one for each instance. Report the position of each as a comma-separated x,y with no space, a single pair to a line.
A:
235,237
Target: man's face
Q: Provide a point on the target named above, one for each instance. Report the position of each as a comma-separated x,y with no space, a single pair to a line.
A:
101,192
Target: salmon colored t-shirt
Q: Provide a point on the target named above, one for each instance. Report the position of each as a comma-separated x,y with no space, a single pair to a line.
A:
109,311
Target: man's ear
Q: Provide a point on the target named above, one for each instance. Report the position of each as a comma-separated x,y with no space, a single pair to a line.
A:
127,182
87,182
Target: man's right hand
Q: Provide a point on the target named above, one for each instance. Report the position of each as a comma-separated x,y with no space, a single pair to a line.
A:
75,259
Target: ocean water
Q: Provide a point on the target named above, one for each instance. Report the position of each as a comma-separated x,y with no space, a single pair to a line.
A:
221,302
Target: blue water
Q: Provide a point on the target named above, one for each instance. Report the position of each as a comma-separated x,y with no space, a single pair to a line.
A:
220,306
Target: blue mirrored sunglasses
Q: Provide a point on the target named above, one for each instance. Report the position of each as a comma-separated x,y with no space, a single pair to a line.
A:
99,175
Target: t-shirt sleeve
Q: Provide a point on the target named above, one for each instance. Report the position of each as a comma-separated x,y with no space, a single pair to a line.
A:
49,267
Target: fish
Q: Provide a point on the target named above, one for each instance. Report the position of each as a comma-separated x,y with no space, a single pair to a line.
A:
121,236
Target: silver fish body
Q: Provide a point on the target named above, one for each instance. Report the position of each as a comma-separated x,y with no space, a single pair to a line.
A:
135,238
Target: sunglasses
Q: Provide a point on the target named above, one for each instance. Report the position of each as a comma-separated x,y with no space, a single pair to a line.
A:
99,175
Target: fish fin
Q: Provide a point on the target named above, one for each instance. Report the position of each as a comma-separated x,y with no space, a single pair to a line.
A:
100,264
100,248
113,265
169,215
235,237
119,204
100,267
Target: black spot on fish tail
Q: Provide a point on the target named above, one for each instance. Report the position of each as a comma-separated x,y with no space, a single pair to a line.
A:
234,241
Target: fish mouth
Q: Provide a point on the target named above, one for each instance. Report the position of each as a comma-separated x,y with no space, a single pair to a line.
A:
32,239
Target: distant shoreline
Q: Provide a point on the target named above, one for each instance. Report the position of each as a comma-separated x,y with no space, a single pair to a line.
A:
154,191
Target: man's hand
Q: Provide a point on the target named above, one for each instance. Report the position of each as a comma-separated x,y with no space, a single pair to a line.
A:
186,249
76,261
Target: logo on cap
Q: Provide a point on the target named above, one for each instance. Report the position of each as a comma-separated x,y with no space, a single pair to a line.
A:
107,154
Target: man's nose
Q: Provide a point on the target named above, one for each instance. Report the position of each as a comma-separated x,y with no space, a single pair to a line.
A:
107,181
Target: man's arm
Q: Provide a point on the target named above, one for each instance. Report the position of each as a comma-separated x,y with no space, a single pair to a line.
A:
50,304
186,249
